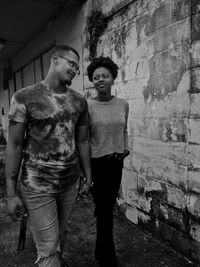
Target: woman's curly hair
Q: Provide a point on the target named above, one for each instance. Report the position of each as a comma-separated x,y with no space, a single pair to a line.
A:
102,62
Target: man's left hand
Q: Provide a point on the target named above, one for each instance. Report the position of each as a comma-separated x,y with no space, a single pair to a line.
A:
85,188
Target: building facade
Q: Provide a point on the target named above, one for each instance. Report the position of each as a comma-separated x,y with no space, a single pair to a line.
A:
156,44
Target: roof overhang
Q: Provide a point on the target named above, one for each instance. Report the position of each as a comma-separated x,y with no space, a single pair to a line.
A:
22,20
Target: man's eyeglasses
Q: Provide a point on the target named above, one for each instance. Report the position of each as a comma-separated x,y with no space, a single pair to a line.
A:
72,64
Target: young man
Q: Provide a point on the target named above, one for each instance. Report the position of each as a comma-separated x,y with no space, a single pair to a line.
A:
48,139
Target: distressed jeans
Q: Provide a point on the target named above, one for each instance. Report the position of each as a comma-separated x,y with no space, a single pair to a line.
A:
48,214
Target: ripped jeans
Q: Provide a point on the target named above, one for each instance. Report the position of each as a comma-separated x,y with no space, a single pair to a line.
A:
48,214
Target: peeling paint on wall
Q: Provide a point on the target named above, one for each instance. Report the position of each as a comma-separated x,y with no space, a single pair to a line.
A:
159,76
2,134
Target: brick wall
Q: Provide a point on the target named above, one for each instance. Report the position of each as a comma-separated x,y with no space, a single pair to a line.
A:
2,154
156,44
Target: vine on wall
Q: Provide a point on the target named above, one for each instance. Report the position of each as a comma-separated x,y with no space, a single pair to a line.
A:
96,23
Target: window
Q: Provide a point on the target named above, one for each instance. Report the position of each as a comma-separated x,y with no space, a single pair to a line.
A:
34,71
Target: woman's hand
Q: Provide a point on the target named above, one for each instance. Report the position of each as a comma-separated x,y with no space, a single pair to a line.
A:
122,156
85,187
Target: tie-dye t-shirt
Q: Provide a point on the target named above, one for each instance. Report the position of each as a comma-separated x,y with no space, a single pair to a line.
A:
50,162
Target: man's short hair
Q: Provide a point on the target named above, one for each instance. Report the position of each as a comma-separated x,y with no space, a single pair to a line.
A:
65,48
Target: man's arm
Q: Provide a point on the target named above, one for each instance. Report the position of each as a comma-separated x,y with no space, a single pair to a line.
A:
14,151
83,147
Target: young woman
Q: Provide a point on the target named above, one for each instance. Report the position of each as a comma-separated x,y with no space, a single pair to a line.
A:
108,117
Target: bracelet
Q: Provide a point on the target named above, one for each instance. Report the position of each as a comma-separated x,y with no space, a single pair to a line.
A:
89,184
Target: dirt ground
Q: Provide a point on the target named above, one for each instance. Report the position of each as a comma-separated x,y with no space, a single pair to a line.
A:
135,248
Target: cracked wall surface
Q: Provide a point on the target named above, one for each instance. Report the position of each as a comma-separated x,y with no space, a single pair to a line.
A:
156,44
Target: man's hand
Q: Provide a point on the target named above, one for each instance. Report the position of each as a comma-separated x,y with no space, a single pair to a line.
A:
85,187
15,207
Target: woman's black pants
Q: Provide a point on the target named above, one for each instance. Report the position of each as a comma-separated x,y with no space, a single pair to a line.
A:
106,175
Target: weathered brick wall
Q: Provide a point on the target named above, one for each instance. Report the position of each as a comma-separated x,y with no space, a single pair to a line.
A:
2,154
156,44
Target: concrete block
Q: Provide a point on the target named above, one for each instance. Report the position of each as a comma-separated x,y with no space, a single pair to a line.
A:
180,81
163,129
194,128
173,217
195,251
131,89
176,34
136,108
195,230
180,9
90,5
4,128
143,218
193,205
174,105
132,214
160,18
152,159
129,179
151,194
157,17
195,7
126,15
129,186
193,156
121,45
179,58
158,87
195,31
150,128
166,84
147,184
163,231
118,90
195,80
153,5
144,203
131,197
113,6
194,181
158,198
176,197
177,239
195,106
128,161
160,63
138,69
195,54
2,169
141,23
